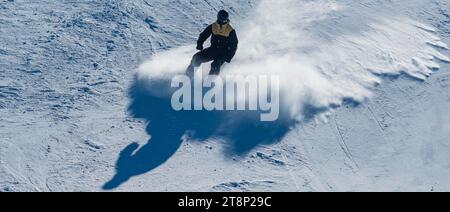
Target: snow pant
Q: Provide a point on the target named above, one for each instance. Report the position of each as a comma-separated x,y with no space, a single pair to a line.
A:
208,55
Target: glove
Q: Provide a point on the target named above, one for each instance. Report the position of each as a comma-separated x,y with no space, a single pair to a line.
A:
199,47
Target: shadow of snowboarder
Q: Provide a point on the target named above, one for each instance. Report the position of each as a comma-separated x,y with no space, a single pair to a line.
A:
167,128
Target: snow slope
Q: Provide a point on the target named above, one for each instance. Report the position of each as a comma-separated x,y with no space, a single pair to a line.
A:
75,118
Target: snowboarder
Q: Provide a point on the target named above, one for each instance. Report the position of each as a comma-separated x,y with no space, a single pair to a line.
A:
224,44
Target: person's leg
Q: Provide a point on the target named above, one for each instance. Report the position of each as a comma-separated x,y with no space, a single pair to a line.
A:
215,66
201,57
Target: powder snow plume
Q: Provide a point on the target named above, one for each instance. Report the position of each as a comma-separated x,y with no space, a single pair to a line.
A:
324,53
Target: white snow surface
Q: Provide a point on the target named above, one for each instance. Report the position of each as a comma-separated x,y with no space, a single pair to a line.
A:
365,87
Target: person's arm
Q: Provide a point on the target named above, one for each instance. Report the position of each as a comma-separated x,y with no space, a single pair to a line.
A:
203,37
233,46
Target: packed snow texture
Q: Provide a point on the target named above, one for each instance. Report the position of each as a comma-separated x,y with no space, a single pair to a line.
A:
75,117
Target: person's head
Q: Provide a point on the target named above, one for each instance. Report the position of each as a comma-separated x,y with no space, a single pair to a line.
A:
223,17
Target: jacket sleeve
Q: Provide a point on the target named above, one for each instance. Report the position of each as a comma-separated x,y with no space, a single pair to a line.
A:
204,36
233,46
